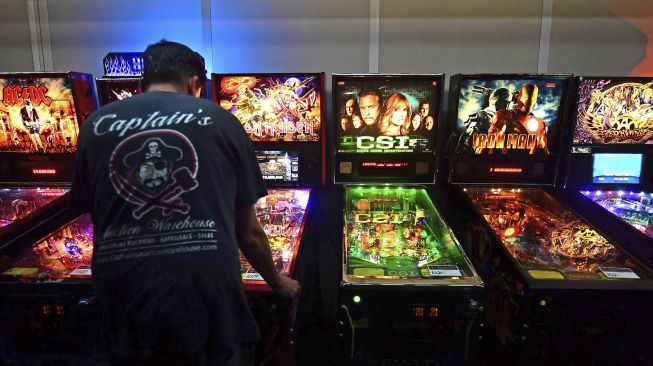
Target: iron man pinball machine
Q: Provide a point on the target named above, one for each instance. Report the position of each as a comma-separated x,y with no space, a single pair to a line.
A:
45,253
555,282
283,117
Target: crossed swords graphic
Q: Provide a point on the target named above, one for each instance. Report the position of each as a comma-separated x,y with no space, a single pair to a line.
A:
168,199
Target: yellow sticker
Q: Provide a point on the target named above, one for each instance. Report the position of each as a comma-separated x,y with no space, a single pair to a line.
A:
20,271
369,272
540,274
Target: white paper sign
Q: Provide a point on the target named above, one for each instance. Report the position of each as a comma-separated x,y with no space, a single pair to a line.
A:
619,273
253,276
444,271
81,271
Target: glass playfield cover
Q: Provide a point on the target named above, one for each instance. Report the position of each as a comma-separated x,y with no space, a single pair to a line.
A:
65,253
547,240
16,203
394,235
634,208
281,213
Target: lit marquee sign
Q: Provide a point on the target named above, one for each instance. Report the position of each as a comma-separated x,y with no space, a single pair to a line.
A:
123,64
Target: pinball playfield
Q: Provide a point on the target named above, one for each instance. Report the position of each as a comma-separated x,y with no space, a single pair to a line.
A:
396,233
64,253
281,214
548,240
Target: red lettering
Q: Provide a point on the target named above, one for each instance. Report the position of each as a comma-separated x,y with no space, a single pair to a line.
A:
16,94
10,95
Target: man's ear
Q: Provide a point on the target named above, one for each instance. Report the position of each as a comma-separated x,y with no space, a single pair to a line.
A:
194,86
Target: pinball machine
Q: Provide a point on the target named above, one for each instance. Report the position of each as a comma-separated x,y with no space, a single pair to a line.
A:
122,77
45,253
408,291
610,160
283,117
552,278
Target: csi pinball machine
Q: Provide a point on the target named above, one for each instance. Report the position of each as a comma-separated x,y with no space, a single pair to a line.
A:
409,294
610,161
122,77
45,254
282,115
559,289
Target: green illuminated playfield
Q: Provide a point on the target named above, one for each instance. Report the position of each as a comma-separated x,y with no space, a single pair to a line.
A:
396,233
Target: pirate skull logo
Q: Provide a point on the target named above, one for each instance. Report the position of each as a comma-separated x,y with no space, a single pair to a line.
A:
153,169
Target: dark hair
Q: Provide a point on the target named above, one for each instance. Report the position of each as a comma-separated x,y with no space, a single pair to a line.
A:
171,62
366,93
422,102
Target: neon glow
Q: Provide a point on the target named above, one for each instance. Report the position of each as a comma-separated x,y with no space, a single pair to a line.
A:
636,209
123,64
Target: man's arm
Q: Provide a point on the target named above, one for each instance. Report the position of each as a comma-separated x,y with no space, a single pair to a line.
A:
254,244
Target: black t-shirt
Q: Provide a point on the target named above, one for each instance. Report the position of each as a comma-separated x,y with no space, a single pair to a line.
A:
162,174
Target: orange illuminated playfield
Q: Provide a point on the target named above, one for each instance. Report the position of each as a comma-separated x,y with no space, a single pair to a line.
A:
281,214
547,239
64,253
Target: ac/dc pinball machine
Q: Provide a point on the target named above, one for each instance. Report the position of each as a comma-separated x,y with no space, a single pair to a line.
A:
283,117
610,160
408,291
44,254
554,282
122,77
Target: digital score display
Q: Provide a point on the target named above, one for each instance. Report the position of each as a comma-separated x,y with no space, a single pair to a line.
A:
281,166
617,168
384,168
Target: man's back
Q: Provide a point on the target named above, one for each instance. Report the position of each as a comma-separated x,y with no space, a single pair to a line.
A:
162,174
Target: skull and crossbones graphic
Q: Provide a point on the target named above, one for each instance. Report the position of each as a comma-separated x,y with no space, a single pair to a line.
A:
153,169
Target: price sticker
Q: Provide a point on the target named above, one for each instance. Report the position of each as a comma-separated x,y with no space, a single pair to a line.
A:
444,271
619,273
81,271
252,276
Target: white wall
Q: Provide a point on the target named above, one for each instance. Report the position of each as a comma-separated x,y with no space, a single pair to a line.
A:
15,44
587,36
591,37
290,35
468,36
84,31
